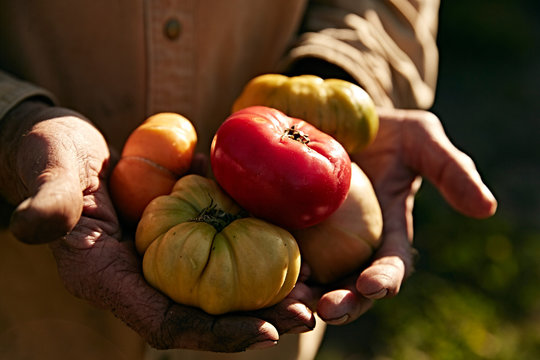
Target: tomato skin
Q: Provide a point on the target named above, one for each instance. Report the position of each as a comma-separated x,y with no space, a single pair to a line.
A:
277,178
243,264
155,155
343,243
337,107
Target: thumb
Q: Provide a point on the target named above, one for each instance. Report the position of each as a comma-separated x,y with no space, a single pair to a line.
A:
45,156
51,211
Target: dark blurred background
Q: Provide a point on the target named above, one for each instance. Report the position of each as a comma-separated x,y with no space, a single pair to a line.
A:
476,290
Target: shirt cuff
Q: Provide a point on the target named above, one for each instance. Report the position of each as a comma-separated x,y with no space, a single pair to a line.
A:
13,91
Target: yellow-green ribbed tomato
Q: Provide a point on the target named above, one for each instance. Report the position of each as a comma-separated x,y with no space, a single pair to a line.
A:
201,250
336,107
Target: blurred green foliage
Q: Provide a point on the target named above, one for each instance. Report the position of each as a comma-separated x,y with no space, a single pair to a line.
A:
475,293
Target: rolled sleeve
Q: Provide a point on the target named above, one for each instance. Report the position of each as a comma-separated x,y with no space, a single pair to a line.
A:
387,46
13,91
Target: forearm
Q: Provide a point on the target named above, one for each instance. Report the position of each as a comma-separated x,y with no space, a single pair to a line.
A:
388,48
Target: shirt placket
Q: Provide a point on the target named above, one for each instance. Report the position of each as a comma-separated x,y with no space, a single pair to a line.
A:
170,46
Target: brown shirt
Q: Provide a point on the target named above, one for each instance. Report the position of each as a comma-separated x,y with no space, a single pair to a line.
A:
118,62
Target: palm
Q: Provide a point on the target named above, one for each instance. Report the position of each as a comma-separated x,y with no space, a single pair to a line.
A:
410,145
395,184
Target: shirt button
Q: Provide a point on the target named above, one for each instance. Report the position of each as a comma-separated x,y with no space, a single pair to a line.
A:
172,29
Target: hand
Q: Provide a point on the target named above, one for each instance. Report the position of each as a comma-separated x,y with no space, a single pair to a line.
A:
411,144
59,167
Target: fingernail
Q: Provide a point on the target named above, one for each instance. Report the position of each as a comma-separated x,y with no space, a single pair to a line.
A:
338,321
262,345
377,295
299,329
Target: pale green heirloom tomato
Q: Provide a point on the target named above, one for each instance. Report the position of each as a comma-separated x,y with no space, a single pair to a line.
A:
202,250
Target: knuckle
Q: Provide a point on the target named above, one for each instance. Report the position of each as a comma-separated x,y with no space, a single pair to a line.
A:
427,121
159,341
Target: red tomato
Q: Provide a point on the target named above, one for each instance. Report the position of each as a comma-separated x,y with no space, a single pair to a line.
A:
279,168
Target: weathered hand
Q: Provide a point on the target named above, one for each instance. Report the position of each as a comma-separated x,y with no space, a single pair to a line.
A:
96,266
54,165
410,145
50,159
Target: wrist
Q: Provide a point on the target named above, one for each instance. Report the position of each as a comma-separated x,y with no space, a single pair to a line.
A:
17,118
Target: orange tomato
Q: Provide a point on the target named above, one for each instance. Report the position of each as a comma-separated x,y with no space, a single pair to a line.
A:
154,157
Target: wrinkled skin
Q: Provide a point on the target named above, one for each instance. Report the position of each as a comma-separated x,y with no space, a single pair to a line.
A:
57,175
410,145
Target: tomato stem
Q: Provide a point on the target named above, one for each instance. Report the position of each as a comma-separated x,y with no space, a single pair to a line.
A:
216,217
295,134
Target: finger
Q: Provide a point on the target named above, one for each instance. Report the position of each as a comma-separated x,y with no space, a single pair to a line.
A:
305,272
383,278
294,315
167,325
49,173
290,316
308,295
342,306
393,261
51,212
189,328
429,151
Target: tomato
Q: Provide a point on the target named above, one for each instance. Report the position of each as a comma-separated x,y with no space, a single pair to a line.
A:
344,242
201,249
337,107
280,168
154,156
